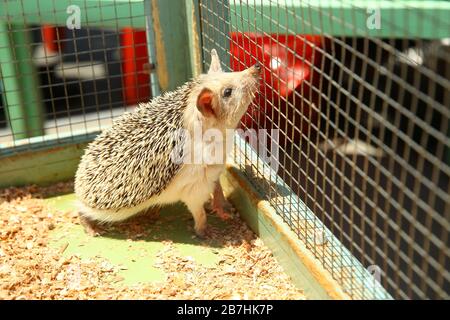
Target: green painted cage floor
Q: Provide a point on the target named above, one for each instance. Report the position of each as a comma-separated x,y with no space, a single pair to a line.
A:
137,257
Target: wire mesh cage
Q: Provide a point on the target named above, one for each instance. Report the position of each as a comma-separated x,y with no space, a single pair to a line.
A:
69,67
354,107
359,94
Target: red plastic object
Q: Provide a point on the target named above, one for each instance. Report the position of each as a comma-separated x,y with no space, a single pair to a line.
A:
136,83
51,38
288,61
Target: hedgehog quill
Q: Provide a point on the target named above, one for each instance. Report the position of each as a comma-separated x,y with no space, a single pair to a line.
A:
130,167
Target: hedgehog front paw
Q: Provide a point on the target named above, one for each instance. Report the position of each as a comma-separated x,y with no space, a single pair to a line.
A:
220,205
223,210
201,230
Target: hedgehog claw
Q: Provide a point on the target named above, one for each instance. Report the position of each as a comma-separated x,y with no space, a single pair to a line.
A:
200,232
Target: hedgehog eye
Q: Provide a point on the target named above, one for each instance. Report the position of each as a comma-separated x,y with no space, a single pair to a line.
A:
227,92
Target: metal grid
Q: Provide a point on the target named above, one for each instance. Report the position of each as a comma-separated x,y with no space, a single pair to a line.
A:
363,139
69,81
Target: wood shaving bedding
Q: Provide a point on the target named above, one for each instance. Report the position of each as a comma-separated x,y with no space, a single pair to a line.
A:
32,269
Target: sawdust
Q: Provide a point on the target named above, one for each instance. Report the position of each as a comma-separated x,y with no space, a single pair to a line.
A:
32,269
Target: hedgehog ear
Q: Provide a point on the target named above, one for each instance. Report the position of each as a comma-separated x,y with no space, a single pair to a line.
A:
215,62
205,103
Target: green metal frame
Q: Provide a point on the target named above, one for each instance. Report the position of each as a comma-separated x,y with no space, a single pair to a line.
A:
173,64
155,89
22,100
94,13
42,160
194,38
337,18
345,18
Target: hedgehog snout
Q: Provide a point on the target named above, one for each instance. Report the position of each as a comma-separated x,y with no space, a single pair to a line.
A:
256,69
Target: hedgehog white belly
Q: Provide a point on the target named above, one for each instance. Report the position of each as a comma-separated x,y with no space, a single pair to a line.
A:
194,183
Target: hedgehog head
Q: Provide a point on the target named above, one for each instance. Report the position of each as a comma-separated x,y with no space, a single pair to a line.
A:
222,98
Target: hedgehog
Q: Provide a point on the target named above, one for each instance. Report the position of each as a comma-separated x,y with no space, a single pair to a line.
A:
144,160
